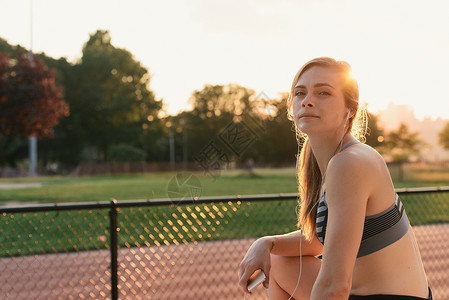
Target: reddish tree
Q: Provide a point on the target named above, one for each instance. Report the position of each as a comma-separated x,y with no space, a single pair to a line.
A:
30,101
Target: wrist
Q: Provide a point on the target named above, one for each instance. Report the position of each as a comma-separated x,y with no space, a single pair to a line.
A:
268,242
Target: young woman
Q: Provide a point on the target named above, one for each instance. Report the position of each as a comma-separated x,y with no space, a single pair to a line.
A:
350,214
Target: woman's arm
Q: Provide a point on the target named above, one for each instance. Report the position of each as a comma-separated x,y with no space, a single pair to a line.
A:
288,244
258,255
348,187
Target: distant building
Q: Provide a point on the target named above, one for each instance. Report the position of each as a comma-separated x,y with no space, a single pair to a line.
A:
428,129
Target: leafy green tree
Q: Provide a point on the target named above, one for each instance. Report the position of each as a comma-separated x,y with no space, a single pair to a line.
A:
444,136
216,100
154,140
111,101
125,153
217,108
214,108
401,145
68,142
277,144
5,47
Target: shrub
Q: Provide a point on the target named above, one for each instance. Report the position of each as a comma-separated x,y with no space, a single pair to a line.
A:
125,153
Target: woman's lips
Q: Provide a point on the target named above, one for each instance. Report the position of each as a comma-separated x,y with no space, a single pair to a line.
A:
307,115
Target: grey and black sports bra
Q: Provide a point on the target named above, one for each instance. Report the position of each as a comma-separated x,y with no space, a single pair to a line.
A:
379,230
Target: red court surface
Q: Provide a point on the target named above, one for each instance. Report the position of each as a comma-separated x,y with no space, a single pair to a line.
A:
204,270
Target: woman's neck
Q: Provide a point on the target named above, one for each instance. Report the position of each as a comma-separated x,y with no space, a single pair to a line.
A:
324,148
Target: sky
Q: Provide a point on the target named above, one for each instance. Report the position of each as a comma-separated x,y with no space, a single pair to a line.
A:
398,48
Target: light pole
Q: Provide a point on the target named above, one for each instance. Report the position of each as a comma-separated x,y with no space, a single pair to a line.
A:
171,144
184,143
32,139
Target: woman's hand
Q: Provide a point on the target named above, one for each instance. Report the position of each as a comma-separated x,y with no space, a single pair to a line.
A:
257,257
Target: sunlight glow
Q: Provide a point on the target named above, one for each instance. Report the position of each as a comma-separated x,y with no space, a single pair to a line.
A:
391,51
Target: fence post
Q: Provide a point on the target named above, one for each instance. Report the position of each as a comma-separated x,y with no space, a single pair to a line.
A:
113,232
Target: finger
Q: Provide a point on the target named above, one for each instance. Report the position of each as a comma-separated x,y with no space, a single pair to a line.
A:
241,269
243,282
245,288
243,266
266,270
267,280
266,283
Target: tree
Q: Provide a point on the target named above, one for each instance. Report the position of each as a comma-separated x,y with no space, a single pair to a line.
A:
113,101
30,101
110,104
277,144
216,100
67,145
260,126
401,145
5,47
215,107
444,136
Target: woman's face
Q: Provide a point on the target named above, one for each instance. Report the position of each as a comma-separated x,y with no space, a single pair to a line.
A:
318,103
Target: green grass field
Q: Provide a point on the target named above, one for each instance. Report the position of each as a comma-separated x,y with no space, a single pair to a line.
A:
146,186
155,185
65,231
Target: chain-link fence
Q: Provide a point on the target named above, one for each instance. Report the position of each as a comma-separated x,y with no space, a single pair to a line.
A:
160,249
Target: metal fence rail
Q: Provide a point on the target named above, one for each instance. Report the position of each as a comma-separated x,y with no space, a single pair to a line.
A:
178,249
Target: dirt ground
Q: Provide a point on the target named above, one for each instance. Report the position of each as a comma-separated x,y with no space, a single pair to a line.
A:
206,270
17,185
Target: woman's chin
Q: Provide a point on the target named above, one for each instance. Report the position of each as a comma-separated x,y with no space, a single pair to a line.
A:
306,128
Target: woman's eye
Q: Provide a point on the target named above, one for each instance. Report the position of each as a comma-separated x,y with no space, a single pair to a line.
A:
300,93
324,93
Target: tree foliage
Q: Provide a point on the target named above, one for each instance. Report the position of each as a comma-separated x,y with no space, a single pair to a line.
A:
260,126
111,105
5,47
30,101
125,153
402,144
214,107
215,100
277,142
444,136
112,99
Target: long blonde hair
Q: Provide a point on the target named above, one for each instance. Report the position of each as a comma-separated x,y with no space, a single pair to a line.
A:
309,174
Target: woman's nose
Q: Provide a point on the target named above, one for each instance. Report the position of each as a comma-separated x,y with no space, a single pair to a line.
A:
307,101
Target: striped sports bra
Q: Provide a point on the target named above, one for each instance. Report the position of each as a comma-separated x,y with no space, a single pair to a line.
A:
379,231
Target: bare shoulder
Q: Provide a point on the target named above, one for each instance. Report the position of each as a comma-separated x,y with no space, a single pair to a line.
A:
359,156
359,164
